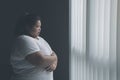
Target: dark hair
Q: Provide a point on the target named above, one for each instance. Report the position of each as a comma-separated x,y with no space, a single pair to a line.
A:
27,20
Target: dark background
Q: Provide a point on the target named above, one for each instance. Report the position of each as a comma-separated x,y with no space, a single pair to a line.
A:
54,15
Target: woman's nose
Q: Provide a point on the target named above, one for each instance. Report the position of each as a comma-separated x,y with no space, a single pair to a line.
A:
39,29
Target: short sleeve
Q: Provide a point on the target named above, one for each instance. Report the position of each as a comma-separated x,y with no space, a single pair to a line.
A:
26,45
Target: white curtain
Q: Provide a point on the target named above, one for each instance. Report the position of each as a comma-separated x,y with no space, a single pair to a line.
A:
93,39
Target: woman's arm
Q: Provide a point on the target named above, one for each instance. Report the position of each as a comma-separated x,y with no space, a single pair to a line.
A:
53,66
39,59
56,61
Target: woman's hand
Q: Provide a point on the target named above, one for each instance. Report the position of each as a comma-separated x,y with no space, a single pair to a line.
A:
51,67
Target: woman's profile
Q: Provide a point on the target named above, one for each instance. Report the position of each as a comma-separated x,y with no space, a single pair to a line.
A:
32,58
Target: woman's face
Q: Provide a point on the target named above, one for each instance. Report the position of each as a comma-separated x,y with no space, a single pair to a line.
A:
35,31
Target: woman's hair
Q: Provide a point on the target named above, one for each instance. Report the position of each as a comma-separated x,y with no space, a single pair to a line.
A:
28,20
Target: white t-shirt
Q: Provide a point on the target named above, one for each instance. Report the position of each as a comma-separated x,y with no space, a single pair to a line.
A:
24,70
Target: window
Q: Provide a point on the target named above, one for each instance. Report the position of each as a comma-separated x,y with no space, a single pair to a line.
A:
93,39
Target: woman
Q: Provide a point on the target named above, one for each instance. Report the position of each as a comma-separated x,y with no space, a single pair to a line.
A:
32,58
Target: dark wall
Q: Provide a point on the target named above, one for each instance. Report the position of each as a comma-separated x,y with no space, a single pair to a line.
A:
54,14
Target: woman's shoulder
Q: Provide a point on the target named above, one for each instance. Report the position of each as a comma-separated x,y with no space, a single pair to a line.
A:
24,38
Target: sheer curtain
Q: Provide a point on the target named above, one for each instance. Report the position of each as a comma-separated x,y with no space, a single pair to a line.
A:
93,39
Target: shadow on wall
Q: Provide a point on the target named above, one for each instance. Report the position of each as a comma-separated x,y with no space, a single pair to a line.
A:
5,72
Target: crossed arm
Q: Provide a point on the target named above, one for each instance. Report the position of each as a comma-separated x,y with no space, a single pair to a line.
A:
52,66
49,62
